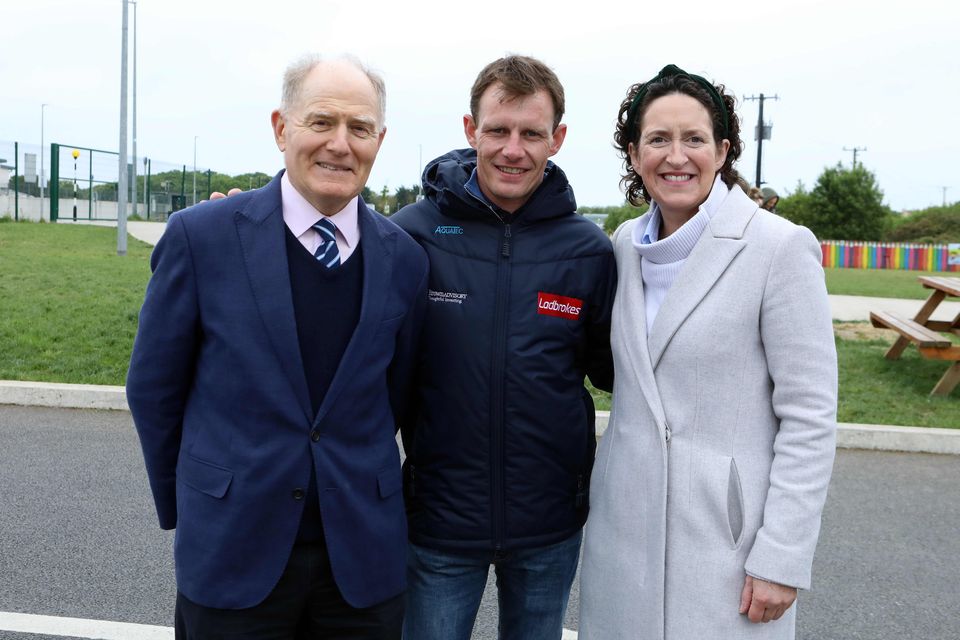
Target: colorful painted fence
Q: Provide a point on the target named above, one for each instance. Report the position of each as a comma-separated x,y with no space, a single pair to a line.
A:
888,255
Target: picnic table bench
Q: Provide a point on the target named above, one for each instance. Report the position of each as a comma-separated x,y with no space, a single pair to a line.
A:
928,335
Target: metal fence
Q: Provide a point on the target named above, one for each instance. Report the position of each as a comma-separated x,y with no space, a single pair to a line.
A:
71,182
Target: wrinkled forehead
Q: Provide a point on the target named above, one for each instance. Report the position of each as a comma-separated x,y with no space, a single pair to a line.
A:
340,87
527,105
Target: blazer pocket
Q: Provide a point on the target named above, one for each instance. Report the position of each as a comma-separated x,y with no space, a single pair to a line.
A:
389,482
204,477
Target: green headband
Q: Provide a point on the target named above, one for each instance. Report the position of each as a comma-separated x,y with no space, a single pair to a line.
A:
666,72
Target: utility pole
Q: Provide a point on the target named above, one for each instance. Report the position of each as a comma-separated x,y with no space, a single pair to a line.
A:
855,150
122,182
944,195
762,132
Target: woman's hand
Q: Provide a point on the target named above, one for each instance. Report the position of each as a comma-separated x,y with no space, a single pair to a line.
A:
764,601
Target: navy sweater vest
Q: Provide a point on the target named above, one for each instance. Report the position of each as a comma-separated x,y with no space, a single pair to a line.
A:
326,303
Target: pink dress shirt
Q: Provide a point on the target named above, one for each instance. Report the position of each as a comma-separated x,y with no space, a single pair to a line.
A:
300,216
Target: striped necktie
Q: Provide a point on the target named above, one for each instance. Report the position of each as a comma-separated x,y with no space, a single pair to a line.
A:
327,251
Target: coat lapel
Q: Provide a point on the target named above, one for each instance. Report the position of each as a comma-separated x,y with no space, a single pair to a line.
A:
378,248
719,244
631,321
261,230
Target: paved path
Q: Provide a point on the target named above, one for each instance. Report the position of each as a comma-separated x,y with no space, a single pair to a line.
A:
79,537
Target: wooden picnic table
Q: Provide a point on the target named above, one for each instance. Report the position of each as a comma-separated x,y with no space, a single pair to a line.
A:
928,334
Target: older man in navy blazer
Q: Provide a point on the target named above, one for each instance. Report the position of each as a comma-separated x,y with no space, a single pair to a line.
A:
275,343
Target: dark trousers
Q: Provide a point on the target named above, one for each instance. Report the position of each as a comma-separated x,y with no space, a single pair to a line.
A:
305,605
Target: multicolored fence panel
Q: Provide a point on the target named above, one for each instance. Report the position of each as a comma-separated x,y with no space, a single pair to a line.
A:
888,255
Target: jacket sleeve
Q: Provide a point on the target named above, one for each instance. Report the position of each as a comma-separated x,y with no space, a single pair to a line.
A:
162,364
797,335
598,356
402,373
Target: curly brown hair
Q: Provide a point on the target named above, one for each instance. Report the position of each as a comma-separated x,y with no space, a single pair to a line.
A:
628,131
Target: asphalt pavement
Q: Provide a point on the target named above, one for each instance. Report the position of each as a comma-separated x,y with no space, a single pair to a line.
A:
80,538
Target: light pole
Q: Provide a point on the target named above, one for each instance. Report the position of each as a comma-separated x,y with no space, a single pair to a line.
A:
42,174
133,158
195,169
122,181
76,154
146,209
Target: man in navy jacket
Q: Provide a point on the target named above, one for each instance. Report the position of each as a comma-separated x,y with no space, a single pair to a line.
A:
501,442
275,344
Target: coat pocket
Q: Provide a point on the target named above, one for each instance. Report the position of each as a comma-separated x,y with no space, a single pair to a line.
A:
735,505
203,476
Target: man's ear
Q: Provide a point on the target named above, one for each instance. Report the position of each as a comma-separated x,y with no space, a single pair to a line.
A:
470,130
279,126
559,135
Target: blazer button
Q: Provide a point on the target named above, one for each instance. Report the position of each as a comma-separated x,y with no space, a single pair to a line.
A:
315,435
298,494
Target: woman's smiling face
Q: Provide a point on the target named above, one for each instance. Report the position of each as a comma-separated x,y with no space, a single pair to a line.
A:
677,157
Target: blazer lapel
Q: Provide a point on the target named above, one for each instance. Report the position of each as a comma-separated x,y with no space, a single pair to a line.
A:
719,244
631,322
378,248
261,230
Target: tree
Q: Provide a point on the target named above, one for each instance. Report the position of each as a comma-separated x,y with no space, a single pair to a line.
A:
795,206
845,204
935,225
404,196
617,215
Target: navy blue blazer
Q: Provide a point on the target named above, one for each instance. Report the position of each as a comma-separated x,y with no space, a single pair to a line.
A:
219,397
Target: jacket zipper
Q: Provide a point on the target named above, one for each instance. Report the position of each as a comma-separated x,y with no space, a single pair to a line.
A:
497,446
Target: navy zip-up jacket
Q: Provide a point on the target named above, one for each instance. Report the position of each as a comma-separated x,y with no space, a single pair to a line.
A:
501,438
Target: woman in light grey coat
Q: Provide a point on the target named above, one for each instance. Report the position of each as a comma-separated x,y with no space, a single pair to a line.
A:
709,483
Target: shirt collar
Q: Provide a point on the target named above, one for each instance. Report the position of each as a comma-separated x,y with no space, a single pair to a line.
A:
299,215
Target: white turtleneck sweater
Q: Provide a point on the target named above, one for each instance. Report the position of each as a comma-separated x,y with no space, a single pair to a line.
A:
662,260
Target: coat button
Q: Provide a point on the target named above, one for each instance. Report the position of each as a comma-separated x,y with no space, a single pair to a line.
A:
298,494
315,435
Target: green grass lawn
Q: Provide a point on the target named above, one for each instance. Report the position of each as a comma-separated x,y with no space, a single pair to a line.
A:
69,303
881,283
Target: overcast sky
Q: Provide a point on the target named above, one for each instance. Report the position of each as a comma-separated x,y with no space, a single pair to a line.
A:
848,73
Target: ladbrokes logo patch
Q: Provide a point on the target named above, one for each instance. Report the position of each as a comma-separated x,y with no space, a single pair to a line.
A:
550,304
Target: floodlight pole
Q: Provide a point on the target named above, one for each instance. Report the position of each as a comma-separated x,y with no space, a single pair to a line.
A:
122,182
133,158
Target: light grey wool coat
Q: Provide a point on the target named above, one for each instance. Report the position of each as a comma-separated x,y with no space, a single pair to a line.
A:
721,438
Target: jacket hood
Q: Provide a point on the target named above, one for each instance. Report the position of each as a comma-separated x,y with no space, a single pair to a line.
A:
444,179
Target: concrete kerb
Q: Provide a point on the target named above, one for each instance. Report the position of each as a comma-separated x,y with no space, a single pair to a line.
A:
849,436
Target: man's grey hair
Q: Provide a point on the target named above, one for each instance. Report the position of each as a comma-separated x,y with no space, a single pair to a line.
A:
297,72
